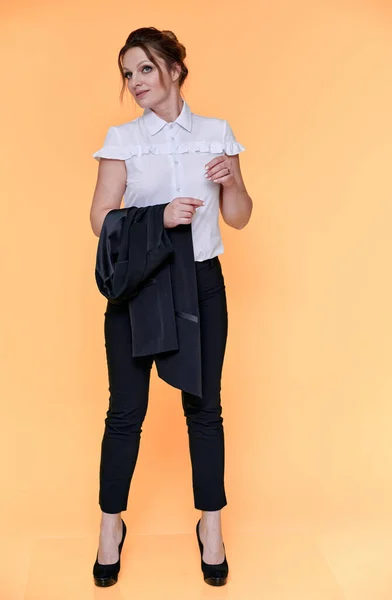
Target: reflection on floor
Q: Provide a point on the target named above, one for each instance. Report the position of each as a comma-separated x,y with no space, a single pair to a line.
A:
349,563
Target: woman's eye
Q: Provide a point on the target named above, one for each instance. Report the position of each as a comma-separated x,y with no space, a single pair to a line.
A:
128,74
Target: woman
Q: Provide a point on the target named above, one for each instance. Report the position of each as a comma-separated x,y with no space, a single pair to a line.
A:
168,155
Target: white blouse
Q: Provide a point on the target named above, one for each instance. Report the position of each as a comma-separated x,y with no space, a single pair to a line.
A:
165,160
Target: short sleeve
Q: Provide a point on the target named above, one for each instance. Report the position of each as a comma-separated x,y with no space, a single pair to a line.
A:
231,146
112,147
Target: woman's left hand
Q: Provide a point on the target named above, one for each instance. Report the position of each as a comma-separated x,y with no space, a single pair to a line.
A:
220,170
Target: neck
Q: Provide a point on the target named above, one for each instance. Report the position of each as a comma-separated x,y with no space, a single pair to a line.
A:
170,110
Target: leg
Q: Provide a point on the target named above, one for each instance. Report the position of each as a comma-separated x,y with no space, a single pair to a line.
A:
203,417
129,380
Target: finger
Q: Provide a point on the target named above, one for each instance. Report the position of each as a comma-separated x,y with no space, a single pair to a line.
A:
218,171
222,179
186,211
215,161
183,221
193,201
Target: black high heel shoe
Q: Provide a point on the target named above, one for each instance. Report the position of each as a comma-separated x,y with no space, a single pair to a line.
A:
213,574
105,575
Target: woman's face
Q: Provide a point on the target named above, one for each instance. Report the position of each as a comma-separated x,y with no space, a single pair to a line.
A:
143,76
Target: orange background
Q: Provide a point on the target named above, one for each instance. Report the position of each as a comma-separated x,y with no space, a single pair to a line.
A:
307,383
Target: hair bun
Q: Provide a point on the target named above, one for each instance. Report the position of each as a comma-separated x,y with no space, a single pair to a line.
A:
170,34
173,37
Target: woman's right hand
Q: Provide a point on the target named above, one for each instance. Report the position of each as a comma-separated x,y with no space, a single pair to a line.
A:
180,211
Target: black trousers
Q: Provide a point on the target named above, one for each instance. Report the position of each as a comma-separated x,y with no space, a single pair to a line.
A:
129,380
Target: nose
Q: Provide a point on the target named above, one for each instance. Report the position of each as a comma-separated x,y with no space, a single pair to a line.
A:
134,83
135,89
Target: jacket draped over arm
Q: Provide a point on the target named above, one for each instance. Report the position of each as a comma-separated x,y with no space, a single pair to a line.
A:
152,268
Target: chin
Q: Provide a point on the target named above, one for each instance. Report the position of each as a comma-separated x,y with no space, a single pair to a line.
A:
142,102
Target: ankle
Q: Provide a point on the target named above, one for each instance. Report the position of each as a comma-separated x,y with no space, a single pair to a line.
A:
211,520
211,515
110,520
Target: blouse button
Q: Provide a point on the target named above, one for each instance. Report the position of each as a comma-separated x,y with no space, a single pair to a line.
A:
176,162
171,126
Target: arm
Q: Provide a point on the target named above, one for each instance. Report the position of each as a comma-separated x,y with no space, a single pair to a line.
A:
109,191
235,203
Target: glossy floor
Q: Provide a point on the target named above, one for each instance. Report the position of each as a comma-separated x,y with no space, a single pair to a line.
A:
337,563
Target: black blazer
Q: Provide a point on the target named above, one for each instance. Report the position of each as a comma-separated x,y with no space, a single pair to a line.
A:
152,268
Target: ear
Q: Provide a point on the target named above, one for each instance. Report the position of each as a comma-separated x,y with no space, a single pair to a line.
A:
176,71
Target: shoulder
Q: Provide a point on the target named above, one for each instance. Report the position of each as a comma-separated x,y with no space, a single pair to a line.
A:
123,130
116,143
208,128
209,122
214,129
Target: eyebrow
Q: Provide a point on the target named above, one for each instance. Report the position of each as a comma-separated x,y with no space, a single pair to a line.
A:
140,63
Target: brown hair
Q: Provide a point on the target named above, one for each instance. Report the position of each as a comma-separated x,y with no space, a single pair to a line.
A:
164,43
